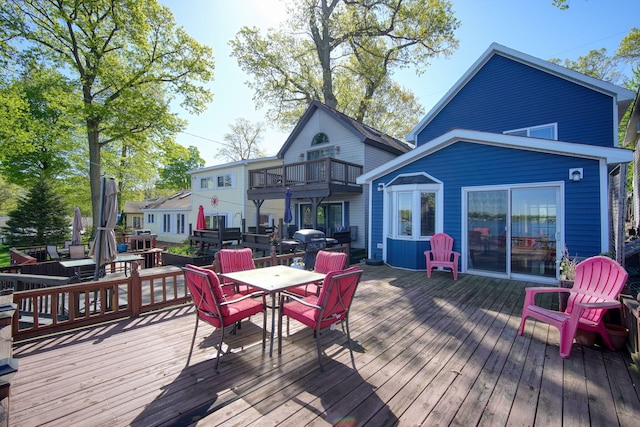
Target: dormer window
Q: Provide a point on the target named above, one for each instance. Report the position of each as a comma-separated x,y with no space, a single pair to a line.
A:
320,138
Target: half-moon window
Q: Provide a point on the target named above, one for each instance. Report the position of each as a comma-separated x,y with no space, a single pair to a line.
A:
320,138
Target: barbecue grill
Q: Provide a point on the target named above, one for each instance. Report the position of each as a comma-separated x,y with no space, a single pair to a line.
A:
311,242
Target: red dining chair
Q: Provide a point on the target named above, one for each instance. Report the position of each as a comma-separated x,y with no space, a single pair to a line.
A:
232,260
598,283
326,261
319,312
442,254
213,307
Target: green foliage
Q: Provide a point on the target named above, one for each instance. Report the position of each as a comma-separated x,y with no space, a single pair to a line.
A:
597,63
128,60
343,53
178,160
629,47
182,250
41,217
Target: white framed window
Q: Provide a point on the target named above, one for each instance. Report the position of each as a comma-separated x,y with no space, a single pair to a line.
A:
323,153
151,218
137,222
548,131
207,182
225,181
180,223
166,223
414,207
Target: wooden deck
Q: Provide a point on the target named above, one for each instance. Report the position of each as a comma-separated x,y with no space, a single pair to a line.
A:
428,352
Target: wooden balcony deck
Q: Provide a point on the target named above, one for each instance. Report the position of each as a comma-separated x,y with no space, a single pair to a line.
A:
428,352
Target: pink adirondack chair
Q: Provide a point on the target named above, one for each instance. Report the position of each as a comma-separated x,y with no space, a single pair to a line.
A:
442,254
599,281
326,262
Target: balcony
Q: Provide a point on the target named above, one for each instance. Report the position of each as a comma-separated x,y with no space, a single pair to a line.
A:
315,178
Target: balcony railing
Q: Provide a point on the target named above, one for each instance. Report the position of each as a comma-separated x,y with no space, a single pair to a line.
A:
322,171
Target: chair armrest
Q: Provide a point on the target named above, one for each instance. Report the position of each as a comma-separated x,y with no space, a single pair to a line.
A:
543,289
298,299
598,305
255,294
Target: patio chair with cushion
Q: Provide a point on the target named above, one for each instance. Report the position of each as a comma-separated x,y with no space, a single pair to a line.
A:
598,283
322,311
217,309
232,260
52,250
442,254
77,251
326,261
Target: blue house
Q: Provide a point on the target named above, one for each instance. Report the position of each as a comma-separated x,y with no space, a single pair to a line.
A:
516,162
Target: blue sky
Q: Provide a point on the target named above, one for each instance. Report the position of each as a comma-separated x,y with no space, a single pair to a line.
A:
533,27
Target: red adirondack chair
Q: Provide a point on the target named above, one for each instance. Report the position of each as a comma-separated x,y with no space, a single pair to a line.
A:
599,281
442,254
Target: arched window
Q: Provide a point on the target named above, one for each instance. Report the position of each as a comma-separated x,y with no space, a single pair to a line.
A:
320,138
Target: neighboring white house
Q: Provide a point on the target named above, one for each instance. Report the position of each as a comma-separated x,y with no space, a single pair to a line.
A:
222,191
133,210
170,217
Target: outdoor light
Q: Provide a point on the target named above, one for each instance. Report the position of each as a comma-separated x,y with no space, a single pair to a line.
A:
575,174
380,187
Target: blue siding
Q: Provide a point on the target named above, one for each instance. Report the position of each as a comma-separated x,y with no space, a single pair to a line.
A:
505,95
582,203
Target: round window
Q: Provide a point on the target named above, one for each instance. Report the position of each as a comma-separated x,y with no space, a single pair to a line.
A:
320,138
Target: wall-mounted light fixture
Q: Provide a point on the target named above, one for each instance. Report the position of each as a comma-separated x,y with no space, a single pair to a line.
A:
380,187
337,149
301,156
576,174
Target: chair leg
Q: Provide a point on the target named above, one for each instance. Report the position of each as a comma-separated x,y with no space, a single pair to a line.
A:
353,360
193,340
317,334
220,347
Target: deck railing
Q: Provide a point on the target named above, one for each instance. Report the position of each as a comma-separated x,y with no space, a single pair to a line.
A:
329,171
59,308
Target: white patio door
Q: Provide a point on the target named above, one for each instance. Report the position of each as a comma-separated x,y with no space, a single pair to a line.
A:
513,231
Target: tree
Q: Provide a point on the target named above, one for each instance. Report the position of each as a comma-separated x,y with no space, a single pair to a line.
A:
629,47
41,217
114,50
343,53
178,160
40,131
596,63
9,195
243,142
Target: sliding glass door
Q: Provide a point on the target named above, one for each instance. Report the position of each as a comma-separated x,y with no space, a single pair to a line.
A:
513,230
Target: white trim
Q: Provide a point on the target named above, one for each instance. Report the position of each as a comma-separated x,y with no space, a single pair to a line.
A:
612,155
604,208
553,126
619,94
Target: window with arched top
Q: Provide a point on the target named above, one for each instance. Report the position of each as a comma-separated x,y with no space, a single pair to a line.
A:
320,138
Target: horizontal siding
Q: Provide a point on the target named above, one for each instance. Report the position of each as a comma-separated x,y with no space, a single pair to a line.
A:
506,95
582,212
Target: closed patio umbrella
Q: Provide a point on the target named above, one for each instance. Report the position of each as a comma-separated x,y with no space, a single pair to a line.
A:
288,217
76,229
105,249
201,223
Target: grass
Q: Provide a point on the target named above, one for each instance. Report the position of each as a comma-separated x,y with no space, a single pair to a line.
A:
5,260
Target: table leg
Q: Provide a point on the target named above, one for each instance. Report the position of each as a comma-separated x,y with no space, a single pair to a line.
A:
273,321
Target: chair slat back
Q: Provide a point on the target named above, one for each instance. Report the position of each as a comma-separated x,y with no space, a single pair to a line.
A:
206,291
52,250
337,293
76,251
330,261
232,260
441,247
597,279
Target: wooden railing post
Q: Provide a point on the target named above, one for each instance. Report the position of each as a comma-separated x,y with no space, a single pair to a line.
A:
135,291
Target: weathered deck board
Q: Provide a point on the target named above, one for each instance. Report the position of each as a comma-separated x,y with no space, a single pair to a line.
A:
430,352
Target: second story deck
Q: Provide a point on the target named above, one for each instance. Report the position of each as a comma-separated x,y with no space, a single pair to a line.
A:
314,178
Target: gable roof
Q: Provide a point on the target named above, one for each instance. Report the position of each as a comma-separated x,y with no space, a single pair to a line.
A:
611,155
622,96
366,134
